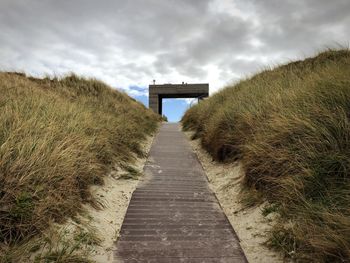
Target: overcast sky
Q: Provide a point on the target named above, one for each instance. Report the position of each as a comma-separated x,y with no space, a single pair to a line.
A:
131,42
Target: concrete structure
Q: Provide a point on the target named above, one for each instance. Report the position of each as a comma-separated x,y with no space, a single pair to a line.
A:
158,92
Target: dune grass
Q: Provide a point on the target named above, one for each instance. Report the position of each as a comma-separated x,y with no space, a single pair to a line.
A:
58,137
290,128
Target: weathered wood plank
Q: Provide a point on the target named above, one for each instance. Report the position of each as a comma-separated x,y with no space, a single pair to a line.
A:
173,216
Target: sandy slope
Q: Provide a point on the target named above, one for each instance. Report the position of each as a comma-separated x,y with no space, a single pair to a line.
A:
115,195
249,224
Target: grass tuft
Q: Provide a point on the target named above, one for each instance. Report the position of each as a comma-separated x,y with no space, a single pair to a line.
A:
57,137
290,127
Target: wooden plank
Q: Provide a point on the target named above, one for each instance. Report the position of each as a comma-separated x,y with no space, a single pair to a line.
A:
173,216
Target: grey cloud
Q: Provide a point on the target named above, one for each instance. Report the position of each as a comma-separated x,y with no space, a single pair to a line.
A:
302,25
132,42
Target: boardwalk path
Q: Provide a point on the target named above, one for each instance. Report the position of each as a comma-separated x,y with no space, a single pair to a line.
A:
173,216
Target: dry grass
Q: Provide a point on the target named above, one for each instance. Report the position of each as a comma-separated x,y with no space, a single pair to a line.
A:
290,127
57,137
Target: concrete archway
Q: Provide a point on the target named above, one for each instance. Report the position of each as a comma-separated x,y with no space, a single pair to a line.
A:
158,92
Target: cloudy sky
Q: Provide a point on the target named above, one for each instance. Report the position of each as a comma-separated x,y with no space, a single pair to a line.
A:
131,42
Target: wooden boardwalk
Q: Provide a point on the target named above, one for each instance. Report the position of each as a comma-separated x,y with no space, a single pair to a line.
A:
173,216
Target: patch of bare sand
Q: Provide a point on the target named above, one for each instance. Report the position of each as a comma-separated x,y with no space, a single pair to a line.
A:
115,195
249,224
91,234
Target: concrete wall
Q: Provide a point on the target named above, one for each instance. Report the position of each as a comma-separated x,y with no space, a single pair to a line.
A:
158,92
153,102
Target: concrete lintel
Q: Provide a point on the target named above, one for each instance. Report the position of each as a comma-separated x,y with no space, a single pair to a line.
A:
179,88
158,92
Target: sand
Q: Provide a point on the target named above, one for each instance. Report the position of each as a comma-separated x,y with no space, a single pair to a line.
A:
92,234
115,195
249,224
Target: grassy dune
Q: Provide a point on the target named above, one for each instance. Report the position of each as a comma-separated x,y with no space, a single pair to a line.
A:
57,137
290,127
